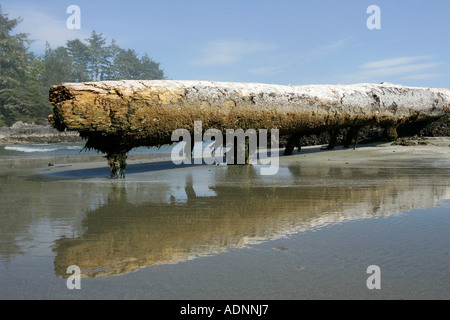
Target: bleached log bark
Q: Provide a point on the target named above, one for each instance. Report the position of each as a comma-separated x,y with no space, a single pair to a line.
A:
116,116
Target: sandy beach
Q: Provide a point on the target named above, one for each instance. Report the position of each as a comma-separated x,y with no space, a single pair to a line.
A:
171,231
426,151
433,149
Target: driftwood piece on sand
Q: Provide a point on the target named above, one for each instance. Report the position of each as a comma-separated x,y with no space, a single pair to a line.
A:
116,116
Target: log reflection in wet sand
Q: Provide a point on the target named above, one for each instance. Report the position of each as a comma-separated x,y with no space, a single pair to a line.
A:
129,233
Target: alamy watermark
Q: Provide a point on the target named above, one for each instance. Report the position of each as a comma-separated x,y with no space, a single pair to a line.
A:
240,147
374,20
74,280
374,280
74,20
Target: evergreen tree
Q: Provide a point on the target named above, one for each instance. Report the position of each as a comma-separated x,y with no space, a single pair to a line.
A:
126,65
20,96
114,51
79,53
58,67
150,69
98,56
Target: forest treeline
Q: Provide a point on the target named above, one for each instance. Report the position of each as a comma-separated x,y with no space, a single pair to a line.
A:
25,78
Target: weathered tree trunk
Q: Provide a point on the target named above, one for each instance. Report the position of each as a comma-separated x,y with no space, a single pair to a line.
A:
352,135
116,116
292,142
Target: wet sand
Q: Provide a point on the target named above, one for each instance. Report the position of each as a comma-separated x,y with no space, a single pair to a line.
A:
218,232
434,151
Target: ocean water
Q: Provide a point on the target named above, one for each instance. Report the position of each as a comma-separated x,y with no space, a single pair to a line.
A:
219,232
44,148
77,149
68,149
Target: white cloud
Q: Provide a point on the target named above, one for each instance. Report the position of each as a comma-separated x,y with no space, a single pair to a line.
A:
325,49
264,71
407,68
398,70
386,63
43,26
224,52
285,62
422,76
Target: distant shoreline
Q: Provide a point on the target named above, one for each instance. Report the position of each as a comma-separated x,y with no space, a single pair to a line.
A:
24,133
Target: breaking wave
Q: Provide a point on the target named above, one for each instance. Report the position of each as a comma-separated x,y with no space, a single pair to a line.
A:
41,148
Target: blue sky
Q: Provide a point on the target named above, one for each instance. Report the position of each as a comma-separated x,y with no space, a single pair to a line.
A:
284,42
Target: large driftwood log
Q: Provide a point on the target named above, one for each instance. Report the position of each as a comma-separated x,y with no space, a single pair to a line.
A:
116,116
